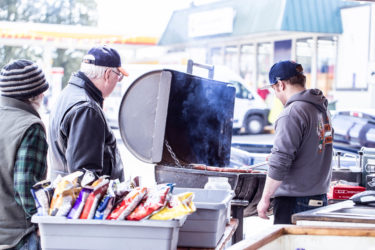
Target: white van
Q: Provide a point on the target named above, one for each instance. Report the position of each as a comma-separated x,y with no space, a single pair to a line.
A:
250,111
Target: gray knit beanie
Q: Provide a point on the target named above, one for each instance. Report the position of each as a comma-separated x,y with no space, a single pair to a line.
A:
22,79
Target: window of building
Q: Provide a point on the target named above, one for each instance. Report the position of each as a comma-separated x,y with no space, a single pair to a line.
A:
264,63
303,56
282,50
231,57
327,47
247,63
216,57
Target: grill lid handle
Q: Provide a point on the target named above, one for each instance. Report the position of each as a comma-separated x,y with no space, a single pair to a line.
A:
210,68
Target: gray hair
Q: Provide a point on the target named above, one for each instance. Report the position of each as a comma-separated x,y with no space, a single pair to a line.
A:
93,71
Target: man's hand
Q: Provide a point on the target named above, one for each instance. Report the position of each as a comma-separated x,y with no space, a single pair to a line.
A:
262,208
269,189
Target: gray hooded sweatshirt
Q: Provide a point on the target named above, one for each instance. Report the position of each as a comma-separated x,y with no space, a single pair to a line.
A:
302,152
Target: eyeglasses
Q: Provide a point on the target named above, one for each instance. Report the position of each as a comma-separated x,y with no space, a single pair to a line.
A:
120,76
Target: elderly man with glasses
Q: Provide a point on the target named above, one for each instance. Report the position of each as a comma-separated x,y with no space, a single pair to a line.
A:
79,134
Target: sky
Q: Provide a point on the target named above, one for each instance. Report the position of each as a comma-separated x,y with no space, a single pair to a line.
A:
139,17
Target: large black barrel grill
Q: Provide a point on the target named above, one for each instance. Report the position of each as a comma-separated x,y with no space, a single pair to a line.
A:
177,121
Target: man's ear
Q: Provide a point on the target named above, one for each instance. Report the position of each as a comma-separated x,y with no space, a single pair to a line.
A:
282,85
106,74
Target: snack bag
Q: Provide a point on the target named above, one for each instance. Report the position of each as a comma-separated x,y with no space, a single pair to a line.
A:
156,199
99,180
88,178
56,181
93,199
107,203
67,200
127,205
42,193
121,189
77,208
179,205
66,183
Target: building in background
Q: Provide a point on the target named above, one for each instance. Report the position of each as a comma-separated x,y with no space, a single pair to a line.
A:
355,75
249,36
333,39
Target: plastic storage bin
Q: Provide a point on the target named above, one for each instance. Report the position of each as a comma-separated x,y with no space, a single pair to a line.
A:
206,226
63,233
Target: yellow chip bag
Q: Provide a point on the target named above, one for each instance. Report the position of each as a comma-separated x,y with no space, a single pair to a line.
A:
178,206
66,183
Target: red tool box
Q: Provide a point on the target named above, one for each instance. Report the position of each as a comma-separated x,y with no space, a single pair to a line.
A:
343,192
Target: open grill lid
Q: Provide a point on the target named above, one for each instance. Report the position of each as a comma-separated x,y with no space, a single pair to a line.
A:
143,113
171,117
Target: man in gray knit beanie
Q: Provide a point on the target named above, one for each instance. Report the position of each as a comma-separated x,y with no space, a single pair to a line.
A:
23,148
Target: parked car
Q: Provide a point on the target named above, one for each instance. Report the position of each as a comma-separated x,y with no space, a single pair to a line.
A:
250,111
354,128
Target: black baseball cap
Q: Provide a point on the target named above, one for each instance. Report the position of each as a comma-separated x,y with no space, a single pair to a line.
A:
283,70
104,56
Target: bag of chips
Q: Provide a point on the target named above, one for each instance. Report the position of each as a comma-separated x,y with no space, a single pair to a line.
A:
66,183
121,189
88,178
156,199
179,205
128,204
107,203
42,193
77,208
93,199
67,200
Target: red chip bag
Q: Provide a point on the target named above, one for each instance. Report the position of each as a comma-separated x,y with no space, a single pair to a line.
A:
156,199
127,205
92,201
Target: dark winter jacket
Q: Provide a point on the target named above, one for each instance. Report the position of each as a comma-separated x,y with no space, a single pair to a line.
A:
79,134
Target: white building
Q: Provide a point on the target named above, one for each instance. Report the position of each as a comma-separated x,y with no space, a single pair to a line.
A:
333,40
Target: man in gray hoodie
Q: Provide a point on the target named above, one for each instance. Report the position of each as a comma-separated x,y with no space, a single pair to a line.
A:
299,171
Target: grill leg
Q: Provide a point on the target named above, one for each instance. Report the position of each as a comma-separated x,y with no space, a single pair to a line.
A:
237,207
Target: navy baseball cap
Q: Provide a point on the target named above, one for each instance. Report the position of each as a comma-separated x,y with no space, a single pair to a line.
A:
104,56
283,70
